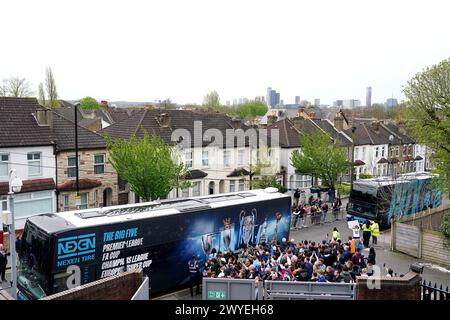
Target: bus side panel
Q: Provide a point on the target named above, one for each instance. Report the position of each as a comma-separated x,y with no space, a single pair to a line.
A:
162,246
413,197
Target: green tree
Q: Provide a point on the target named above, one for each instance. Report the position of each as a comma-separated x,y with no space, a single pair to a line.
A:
321,157
52,94
149,165
16,87
89,103
249,109
211,100
428,110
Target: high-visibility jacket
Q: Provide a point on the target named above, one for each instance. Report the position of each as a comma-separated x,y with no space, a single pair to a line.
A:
352,246
365,228
375,229
336,236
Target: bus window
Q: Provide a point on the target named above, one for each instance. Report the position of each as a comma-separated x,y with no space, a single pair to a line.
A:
33,262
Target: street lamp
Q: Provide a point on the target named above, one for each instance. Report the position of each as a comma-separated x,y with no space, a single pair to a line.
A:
15,185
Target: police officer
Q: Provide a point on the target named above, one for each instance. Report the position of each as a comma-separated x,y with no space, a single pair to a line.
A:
366,233
375,230
194,275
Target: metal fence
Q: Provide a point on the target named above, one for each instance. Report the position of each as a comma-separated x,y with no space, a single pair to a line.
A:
231,289
317,219
428,292
250,289
293,290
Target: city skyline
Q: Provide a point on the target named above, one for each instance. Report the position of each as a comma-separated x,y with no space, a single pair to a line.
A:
154,51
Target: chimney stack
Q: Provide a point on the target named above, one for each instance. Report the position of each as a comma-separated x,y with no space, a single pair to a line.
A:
339,122
104,104
376,126
164,120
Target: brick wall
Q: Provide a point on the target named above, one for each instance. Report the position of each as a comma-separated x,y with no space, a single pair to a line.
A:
86,166
120,287
395,288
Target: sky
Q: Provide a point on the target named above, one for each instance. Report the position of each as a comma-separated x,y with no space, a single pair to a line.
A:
153,50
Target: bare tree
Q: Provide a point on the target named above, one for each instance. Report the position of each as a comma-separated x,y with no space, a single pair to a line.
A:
41,94
16,87
51,89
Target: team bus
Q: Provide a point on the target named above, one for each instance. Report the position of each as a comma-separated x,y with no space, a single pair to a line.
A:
157,237
381,199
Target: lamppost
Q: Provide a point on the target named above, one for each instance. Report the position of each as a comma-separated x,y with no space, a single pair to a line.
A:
77,197
352,167
15,185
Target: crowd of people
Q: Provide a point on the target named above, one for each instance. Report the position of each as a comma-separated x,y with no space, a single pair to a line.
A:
328,261
315,208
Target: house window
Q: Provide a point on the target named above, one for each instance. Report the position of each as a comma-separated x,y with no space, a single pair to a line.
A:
3,203
84,197
4,165
34,163
382,152
232,186
226,158
99,164
196,189
376,152
188,159
363,156
240,157
72,167
66,203
185,192
391,151
405,149
397,150
356,153
205,158
96,198
32,203
241,185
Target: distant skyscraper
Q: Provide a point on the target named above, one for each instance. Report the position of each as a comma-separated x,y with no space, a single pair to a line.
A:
390,103
228,102
338,103
273,97
351,103
317,102
369,97
297,99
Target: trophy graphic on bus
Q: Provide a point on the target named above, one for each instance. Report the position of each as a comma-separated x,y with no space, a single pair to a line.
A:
207,243
226,234
247,224
262,232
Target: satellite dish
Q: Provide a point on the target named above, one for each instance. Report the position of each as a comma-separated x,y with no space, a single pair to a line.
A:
391,137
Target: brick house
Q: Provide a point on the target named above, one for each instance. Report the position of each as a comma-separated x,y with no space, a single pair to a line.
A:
98,181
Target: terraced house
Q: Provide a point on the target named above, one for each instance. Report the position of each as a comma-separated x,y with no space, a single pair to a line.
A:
27,145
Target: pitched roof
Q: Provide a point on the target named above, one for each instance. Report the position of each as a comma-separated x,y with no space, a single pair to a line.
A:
30,185
18,126
369,133
64,131
84,183
179,119
291,137
238,172
195,174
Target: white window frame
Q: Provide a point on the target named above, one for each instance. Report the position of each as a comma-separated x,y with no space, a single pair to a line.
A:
377,152
66,204
363,156
3,162
205,159
232,186
3,203
196,188
226,158
31,161
241,185
240,157
185,192
72,167
188,156
382,151
84,205
356,153
100,164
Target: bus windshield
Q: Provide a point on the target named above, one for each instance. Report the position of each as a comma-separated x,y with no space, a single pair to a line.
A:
34,262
